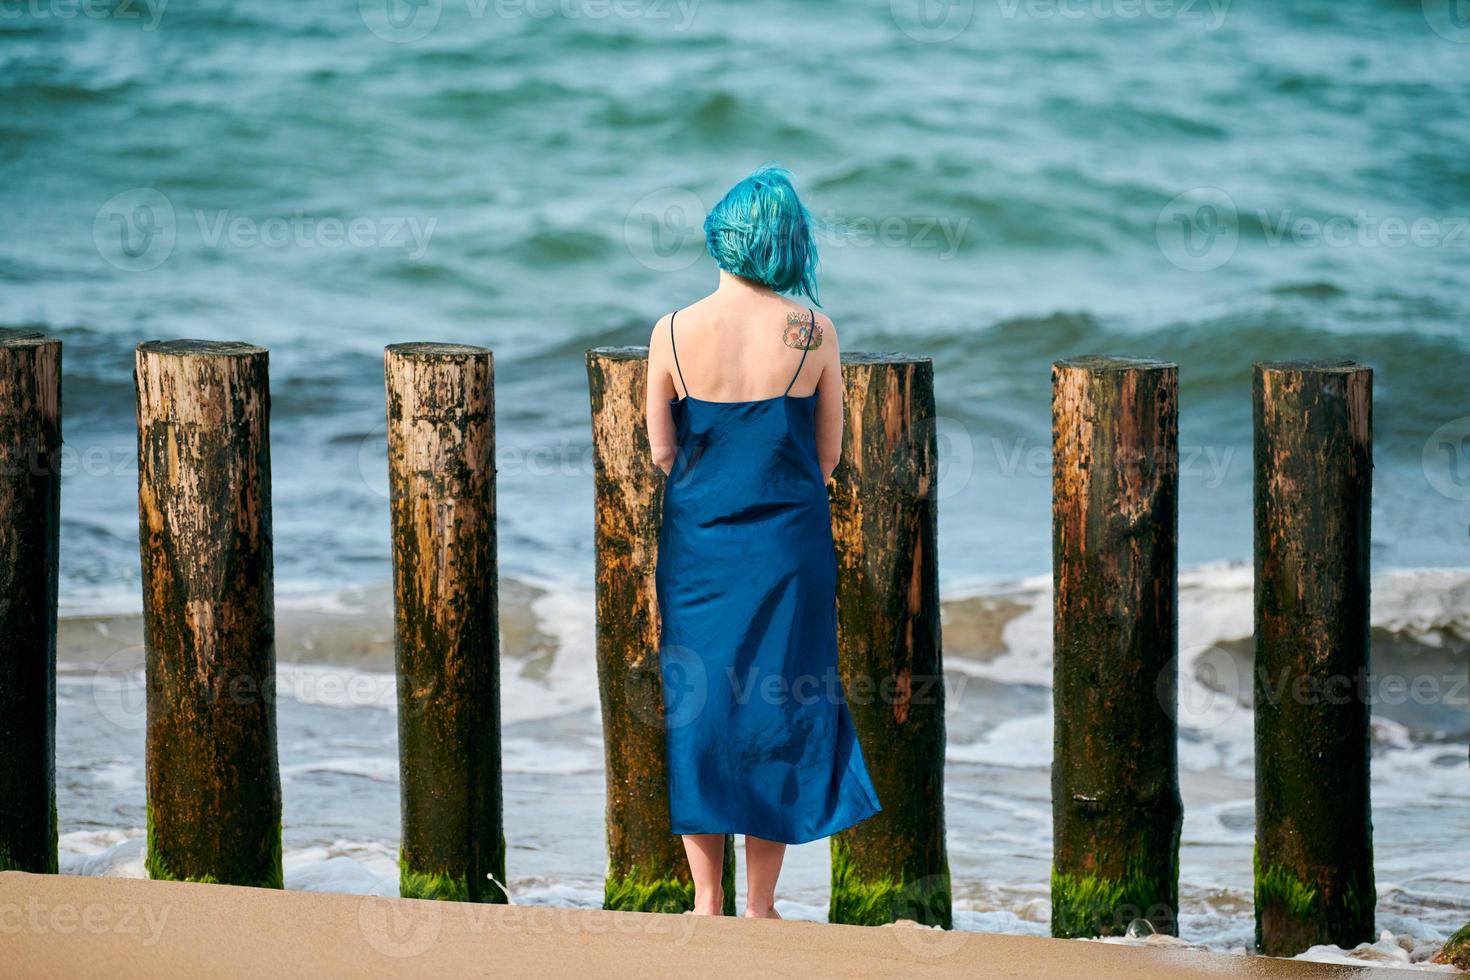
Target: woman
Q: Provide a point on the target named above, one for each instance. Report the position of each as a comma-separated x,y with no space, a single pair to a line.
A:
745,417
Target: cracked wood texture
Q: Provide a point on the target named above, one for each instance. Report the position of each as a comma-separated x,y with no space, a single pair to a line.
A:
30,500
646,862
441,468
204,515
884,491
1313,496
1116,808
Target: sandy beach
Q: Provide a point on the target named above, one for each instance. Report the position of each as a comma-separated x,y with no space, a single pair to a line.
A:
60,926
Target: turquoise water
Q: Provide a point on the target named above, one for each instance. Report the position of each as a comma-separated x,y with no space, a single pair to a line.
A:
1000,183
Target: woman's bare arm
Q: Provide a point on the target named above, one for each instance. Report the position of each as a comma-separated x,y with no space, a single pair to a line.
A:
829,403
662,441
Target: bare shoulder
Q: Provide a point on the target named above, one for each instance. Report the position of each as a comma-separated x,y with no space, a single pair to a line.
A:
809,330
660,330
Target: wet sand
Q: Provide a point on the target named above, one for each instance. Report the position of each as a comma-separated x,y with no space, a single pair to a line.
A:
60,926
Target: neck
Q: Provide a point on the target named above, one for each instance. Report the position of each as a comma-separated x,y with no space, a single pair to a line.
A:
737,285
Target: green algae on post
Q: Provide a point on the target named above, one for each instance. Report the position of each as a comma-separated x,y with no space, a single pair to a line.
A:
1117,815
437,885
30,519
885,494
441,470
880,900
1084,906
158,869
204,516
638,891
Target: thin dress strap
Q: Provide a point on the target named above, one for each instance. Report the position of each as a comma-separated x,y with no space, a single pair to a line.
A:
811,332
676,353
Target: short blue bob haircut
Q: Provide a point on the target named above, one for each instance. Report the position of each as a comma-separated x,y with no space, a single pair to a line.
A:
760,230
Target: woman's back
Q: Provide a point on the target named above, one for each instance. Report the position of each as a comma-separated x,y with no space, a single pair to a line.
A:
747,348
739,345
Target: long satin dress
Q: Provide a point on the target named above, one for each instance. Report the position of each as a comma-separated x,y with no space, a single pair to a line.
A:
760,737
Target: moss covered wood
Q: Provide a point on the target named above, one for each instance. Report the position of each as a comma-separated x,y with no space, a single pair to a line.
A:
1116,809
204,514
647,867
893,865
1313,489
1455,951
441,476
30,500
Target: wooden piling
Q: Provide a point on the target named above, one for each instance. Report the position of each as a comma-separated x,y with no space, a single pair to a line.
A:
1116,809
30,500
204,514
441,469
893,865
1313,494
647,867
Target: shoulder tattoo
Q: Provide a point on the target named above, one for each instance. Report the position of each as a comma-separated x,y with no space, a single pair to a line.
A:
801,332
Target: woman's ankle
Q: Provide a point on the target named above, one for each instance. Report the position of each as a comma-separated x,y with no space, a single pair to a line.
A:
711,904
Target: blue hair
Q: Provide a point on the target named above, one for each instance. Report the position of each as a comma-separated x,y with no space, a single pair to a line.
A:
760,230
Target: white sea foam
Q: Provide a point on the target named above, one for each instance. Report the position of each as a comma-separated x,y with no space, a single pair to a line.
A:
382,768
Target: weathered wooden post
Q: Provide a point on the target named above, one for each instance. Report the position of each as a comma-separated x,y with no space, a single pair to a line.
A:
647,868
893,865
1116,809
441,476
204,515
30,502
1313,491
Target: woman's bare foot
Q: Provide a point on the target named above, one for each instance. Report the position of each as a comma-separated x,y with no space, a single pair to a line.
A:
766,913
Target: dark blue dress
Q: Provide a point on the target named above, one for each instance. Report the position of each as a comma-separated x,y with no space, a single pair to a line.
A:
760,738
